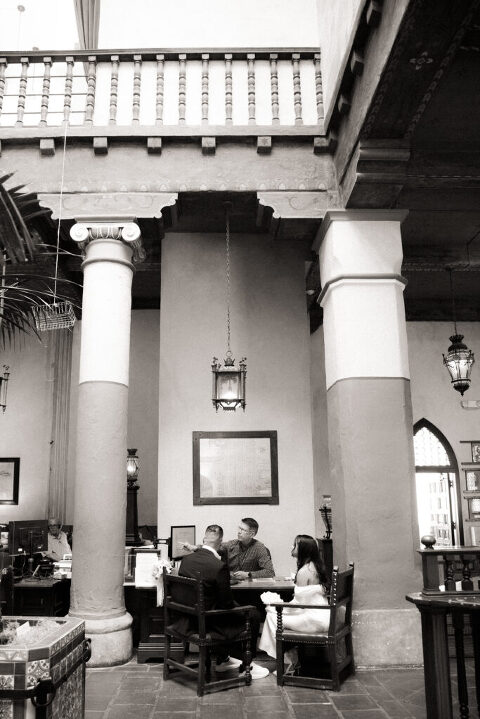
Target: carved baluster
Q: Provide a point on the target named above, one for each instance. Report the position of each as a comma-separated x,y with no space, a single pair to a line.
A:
467,584
47,62
114,90
318,87
251,88
297,90
67,98
91,82
274,88
160,88
205,89
137,79
182,88
448,569
228,89
22,91
3,68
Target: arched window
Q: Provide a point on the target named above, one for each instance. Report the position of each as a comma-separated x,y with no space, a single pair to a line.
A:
436,473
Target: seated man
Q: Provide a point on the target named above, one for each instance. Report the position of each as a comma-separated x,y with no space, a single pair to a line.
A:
247,557
218,595
57,540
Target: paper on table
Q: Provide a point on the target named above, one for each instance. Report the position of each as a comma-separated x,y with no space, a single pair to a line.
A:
145,561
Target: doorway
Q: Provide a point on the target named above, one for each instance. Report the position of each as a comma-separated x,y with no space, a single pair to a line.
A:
436,477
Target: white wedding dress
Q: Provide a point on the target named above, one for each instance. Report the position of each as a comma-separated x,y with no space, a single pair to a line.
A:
309,621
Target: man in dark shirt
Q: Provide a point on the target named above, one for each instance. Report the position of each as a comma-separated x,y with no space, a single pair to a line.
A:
207,562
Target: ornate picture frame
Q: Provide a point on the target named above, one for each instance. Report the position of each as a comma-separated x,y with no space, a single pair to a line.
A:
235,467
9,479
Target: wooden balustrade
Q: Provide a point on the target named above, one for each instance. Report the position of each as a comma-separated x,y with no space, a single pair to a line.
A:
451,570
263,91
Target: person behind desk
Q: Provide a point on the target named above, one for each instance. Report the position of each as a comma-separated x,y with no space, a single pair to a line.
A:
57,540
207,562
247,557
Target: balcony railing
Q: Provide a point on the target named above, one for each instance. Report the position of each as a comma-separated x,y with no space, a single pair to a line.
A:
178,92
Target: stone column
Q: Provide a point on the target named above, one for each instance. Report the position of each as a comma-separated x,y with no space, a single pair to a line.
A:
100,481
370,426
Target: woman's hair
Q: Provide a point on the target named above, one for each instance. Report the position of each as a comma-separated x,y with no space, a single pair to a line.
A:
307,551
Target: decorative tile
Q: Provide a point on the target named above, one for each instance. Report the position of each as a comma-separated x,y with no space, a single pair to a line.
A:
37,670
6,681
6,709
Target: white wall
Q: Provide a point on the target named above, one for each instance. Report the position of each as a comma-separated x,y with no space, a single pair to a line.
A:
25,427
210,23
337,21
270,328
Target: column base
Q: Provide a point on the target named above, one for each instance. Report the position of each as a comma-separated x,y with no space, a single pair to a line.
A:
111,640
383,637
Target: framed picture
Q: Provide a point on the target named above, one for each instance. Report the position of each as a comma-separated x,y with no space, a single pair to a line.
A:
9,476
179,535
475,451
472,478
235,468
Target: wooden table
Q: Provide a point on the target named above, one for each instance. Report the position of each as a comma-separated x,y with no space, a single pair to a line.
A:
274,584
436,665
41,597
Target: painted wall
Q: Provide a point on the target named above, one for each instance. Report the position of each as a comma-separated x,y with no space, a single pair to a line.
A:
322,483
269,326
142,411
25,426
211,23
433,396
337,22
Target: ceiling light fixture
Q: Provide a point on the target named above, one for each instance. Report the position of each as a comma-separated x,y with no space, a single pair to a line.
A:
459,359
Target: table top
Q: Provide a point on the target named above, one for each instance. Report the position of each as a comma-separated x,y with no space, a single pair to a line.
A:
264,584
37,582
468,602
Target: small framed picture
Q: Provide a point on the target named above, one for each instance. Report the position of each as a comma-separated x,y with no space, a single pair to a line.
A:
472,478
9,476
475,451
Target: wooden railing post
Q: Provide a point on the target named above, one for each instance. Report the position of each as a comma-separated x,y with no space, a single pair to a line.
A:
114,90
228,90
137,80
297,90
67,97
47,62
274,88
160,89
3,68
205,58
91,82
182,88
22,91
251,88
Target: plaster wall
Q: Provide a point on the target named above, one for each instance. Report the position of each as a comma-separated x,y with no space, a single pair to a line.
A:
211,23
433,396
337,22
25,427
322,483
142,410
269,326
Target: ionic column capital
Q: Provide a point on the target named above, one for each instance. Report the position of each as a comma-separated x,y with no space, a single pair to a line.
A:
124,231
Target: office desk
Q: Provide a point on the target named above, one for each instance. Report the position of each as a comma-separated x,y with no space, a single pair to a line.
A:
41,597
274,584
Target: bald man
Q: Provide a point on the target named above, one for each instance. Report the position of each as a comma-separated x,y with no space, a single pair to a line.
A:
57,540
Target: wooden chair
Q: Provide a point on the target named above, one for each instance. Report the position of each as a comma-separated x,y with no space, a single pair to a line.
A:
336,643
6,591
207,639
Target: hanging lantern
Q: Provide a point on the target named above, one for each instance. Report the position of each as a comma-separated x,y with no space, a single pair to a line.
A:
228,388
3,387
132,467
459,360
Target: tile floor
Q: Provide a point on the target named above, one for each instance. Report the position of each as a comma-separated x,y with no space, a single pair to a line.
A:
138,691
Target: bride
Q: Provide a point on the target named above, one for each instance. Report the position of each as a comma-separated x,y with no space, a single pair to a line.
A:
311,587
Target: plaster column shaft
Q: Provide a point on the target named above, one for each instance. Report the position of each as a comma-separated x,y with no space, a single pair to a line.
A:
370,426
100,483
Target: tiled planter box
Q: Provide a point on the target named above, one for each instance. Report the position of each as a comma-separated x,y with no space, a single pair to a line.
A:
52,656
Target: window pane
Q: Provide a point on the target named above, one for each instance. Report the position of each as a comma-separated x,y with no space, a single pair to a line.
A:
429,451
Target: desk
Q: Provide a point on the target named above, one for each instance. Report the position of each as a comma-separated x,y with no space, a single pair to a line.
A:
273,584
41,597
438,688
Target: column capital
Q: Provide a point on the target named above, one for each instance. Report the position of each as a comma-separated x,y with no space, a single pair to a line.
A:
122,230
362,215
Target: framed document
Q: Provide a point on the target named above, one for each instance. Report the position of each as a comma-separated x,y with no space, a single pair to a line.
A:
145,561
9,476
235,468
179,535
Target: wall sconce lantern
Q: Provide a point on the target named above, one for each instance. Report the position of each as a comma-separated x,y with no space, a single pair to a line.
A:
3,387
228,381
459,359
132,467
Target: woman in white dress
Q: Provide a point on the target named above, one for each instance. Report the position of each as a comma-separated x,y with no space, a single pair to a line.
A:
311,587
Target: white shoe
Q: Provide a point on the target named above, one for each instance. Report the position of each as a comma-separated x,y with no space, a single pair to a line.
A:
228,664
257,672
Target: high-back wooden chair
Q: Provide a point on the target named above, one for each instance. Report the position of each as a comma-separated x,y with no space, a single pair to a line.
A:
336,642
190,622
6,591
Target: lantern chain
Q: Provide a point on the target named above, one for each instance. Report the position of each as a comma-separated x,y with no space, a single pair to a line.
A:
227,278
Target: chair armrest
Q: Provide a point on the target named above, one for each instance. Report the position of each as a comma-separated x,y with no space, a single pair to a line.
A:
299,606
177,607
247,609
